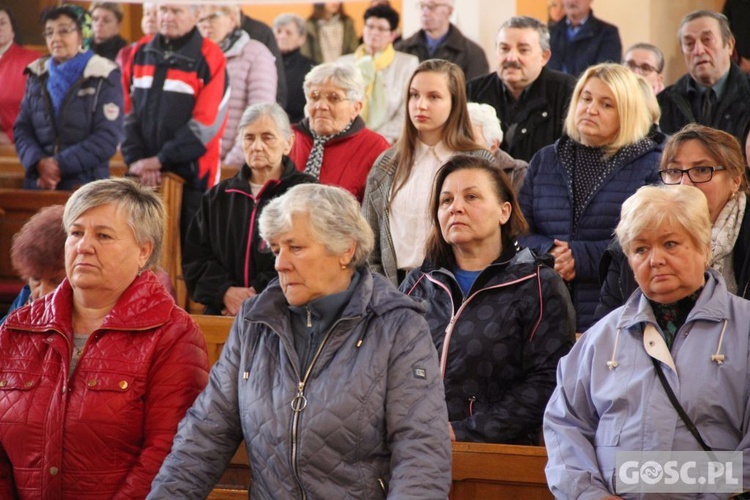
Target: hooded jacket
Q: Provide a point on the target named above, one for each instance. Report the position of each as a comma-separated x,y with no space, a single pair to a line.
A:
223,247
86,132
503,340
371,419
547,203
102,431
609,399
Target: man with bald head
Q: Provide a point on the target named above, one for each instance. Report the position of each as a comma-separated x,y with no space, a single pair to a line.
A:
714,92
530,99
176,93
440,39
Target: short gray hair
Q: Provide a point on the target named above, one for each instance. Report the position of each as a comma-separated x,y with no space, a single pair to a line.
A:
653,49
289,18
484,116
271,110
334,214
142,206
726,31
652,206
343,75
526,22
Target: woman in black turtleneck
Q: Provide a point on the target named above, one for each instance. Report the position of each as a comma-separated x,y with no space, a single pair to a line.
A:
106,20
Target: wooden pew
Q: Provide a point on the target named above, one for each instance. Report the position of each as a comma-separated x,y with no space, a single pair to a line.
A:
17,206
479,470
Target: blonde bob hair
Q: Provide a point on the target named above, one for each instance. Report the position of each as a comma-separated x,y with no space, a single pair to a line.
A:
141,206
634,123
334,216
651,207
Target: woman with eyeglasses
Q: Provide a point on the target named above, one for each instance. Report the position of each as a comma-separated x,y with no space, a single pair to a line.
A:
251,69
71,118
385,71
333,144
712,161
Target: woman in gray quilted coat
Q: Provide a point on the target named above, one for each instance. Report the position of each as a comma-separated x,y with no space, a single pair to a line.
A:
329,375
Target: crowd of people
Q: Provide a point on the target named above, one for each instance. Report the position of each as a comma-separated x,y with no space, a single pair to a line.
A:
408,242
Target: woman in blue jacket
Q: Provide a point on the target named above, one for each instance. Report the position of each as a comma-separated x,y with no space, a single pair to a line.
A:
573,189
71,121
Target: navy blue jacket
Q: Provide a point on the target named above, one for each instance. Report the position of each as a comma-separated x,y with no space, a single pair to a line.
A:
596,42
547,203
500,344
87,131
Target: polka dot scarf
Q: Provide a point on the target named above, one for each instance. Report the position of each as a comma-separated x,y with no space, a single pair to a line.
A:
588,168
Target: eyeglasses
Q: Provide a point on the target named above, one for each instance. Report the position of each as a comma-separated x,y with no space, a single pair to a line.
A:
377,28
430,6
209,18
697,175
331,98
642,69
61,30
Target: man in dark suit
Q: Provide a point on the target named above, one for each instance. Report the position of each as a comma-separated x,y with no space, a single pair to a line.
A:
581,40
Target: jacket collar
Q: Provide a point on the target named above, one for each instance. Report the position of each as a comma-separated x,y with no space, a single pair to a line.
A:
146,295
358,125
241,181
712,305
97,67
454,39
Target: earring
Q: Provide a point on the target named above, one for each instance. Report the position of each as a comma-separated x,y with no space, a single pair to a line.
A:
343,267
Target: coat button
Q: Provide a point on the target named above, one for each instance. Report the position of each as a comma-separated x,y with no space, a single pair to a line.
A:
123,384
3,383
92,382
523,130
544,115
53,471
651,343
28,384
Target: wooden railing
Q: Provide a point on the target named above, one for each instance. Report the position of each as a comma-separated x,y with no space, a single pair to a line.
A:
479,470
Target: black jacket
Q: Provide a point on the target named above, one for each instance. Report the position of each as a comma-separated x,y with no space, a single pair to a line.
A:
223,247
542,109
732,113
618,281
456,48
505,340
596,42
296,66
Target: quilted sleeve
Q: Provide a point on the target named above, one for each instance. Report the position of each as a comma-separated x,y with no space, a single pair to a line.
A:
416,414
209,434
178,373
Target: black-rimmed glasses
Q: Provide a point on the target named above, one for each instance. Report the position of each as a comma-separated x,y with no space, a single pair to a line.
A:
697,175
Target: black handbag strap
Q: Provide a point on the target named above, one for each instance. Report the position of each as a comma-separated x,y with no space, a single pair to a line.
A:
678,407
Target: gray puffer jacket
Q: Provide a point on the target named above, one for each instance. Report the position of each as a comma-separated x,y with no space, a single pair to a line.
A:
372,420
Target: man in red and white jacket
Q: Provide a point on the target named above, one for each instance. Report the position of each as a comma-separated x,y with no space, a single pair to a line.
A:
176,93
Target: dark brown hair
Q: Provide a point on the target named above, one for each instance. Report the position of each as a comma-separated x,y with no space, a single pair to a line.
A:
439,251
719,145
38,249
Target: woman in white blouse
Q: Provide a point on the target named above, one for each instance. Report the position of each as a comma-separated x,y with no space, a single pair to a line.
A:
396,201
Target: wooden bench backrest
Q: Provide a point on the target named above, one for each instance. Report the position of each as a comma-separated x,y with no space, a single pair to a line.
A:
479,470
18,205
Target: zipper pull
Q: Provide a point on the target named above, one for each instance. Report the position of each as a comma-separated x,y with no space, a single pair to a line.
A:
309,321
300,401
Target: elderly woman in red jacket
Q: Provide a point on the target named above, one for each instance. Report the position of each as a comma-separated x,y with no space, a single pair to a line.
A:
333,144
95,376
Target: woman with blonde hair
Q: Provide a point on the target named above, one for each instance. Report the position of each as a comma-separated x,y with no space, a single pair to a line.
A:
573,190
396,202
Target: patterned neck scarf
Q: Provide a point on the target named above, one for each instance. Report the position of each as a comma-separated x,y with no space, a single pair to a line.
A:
724,235
671,317
315,160
375,110
230,40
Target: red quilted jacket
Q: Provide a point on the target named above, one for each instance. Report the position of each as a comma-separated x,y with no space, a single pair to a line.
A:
104,431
